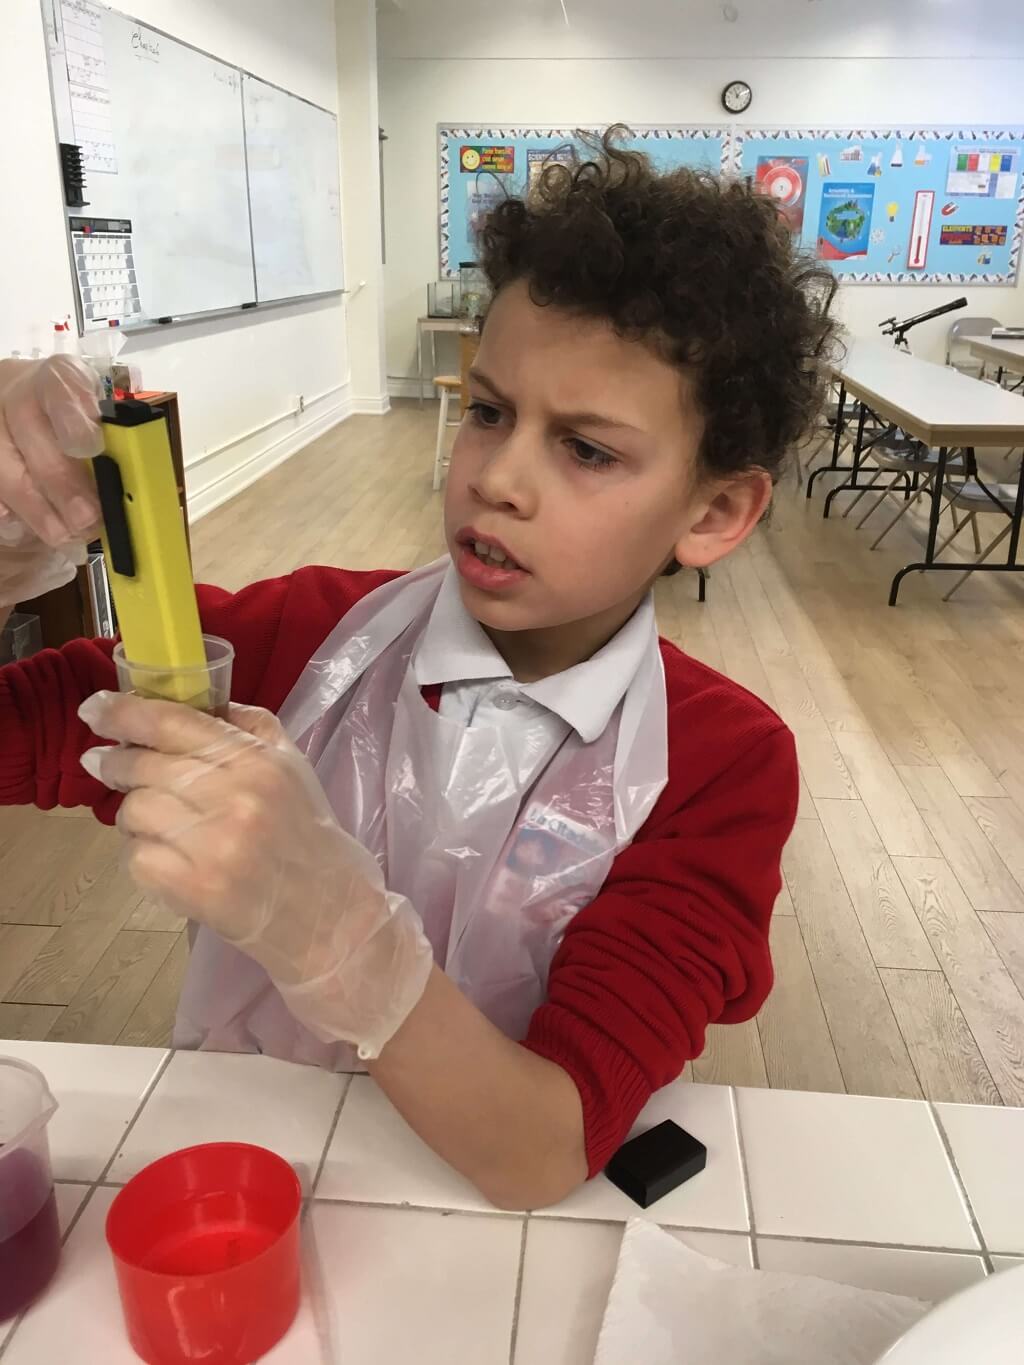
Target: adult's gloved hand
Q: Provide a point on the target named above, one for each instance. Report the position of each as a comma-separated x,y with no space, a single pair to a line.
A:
49,424
229,825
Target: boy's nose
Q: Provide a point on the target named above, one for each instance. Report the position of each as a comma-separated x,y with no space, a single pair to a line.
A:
507,477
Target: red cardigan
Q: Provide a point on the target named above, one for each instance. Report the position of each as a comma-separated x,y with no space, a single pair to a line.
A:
677,937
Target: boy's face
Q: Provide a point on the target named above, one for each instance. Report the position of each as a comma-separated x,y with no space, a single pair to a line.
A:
577,461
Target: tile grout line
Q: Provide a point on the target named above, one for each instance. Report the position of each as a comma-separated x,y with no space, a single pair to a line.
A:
86,1199
961,1187
748,1200
748,1233
330,1138
513,1339
874,1246
11,1334
146,1096
503,1215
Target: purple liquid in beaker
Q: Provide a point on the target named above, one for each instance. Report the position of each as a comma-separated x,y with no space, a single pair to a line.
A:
30,1245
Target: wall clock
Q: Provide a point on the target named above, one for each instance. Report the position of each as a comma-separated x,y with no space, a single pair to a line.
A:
736,97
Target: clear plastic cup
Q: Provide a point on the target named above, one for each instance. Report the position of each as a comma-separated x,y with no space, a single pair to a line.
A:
206,1249
207,686
29,1230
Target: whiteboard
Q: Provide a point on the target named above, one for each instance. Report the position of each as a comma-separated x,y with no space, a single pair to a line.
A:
176,117
294,193
184,217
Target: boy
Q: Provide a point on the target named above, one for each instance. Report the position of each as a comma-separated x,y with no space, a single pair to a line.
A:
580,828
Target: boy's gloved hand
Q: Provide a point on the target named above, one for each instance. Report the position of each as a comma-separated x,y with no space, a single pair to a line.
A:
28,568
229,825
49,424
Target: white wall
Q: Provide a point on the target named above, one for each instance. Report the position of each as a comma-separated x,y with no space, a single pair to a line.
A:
237,379
809,63
602,29
35,275
359,119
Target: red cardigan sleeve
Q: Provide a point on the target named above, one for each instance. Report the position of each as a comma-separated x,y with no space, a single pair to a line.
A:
274,626
678,937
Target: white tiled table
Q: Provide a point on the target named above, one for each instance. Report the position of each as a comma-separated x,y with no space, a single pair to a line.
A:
899,1195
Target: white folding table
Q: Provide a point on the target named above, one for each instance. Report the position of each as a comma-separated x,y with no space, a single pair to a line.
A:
938,405
1003,353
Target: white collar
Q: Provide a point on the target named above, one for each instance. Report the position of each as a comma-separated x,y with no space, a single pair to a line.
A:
455,648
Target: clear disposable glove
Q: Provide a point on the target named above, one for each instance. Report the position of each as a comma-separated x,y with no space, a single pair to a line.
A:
228,824
28,568
49,424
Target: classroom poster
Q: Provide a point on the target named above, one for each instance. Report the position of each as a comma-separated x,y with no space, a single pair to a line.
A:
844,224
480,165
906,205
498,160
539,157
483,193
898,205
784,179
989,172
973,234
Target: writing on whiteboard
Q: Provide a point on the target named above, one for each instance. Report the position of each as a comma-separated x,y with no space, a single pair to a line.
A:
145,44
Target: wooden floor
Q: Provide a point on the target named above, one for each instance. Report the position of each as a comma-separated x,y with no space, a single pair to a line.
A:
899,936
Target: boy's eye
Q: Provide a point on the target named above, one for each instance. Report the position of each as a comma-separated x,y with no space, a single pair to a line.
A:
484,414
588,456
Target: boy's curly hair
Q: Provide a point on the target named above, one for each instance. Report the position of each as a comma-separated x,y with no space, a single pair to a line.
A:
701,269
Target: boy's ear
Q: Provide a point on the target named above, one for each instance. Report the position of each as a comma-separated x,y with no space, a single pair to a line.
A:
722,516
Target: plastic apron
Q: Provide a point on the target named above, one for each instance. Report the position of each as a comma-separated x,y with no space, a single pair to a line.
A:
495,871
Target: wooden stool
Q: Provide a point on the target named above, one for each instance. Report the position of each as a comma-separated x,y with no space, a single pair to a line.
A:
446,384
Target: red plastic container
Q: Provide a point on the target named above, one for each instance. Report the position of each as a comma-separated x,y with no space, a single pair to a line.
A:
206,1248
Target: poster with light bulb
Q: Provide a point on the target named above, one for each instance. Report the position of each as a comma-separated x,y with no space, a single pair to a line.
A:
895,205
878,206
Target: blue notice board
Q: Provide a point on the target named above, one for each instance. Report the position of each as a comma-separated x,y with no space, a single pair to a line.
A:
896,206
479,166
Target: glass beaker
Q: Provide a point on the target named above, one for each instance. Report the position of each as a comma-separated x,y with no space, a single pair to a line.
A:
29,1230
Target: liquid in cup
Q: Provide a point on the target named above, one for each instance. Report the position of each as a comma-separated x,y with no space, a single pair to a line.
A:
29,1230
206,687
205,1244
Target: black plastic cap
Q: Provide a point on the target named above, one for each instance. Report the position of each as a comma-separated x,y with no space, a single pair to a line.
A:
128,412
654,1164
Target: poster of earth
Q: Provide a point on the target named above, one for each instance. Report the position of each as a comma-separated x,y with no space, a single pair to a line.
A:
844,226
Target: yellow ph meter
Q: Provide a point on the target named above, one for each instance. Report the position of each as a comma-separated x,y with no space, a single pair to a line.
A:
146,552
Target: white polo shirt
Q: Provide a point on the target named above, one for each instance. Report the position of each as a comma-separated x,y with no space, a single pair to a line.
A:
478,687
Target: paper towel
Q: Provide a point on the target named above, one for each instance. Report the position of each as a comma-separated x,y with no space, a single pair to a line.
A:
669,1305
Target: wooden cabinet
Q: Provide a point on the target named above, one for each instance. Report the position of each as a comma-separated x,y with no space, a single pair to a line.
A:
66,613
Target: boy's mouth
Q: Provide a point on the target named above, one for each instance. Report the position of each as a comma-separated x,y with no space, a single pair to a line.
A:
488,551
486,564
